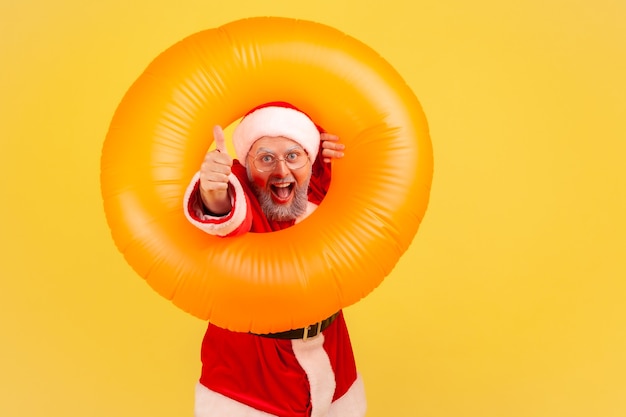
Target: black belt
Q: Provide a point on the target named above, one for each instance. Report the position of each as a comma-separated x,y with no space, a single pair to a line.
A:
305,332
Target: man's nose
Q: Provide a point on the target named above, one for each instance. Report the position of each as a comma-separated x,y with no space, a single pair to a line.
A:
281,168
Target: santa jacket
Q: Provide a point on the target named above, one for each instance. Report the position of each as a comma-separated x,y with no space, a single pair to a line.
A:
244,374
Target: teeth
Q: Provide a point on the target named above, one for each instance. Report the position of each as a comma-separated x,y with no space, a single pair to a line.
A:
282,185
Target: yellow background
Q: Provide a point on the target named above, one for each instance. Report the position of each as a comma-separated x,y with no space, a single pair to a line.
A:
510,302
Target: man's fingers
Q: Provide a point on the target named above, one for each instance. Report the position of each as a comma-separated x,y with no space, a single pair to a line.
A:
213,180
209,185
332,154
335,146
331,142
328,137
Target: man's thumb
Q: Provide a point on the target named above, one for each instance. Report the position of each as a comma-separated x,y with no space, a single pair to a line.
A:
218,136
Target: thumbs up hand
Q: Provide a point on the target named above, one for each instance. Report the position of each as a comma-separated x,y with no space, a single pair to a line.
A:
214,173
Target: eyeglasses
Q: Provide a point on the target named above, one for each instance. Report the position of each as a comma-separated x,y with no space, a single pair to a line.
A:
294,159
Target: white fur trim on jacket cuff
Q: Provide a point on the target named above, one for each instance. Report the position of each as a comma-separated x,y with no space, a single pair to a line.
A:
215,225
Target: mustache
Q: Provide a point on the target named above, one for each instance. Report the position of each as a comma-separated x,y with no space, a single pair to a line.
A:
278,181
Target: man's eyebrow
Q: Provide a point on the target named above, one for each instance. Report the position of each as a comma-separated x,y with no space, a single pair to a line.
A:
264,150
268,150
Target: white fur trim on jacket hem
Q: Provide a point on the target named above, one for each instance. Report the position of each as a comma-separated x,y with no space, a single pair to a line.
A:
209,403
216,225
352,403
314,360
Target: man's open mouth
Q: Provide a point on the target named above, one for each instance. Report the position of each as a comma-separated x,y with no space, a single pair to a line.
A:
282,192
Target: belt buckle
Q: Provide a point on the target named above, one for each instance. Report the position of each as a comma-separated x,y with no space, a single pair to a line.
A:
317,325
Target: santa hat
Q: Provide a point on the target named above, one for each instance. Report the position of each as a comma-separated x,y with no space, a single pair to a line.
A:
276,119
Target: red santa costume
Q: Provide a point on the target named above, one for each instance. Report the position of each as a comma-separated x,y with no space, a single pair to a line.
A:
301,373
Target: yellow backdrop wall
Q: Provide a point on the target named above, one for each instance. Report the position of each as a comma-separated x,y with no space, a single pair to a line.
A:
508,303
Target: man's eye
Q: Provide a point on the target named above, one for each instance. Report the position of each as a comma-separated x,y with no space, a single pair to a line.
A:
292,156
267,159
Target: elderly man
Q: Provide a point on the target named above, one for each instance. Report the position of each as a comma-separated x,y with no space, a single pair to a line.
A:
276,181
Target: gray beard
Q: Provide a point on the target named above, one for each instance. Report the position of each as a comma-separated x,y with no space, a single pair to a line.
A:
279,212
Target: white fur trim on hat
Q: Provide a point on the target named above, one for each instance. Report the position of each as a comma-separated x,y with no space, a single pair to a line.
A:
276,121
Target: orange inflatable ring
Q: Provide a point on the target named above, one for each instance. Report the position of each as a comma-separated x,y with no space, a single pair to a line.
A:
267,282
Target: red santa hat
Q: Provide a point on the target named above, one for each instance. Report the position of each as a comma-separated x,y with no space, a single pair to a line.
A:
276,119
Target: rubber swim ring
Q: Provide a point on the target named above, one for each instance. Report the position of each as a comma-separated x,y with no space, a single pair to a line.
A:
272,281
